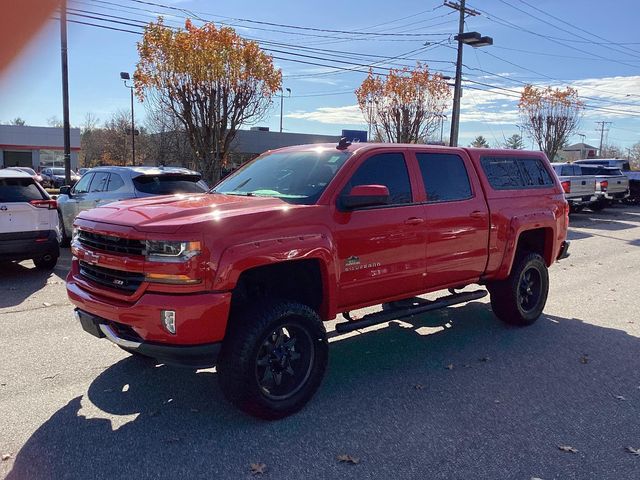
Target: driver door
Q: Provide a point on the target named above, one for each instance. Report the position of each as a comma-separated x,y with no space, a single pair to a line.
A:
381,249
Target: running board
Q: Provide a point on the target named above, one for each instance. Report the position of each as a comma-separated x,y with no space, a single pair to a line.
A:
397,314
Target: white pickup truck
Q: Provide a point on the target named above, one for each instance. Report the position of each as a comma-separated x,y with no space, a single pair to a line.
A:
612,186
579,190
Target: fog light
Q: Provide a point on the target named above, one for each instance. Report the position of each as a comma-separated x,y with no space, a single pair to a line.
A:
169,320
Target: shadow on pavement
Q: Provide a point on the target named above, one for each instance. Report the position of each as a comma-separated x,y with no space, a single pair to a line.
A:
510,397
19,281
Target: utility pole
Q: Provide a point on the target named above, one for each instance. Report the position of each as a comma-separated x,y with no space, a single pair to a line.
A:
65,93
282,105
471,38
602,130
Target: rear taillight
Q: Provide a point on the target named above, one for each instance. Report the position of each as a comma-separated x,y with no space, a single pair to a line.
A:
48,204
566,186
604,184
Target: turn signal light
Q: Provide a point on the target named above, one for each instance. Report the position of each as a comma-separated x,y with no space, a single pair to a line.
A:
566,186
171,279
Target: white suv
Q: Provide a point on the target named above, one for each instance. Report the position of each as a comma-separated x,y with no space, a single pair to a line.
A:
28,221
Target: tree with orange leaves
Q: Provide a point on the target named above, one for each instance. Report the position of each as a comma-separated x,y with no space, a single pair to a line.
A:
211,79
550,116
404,107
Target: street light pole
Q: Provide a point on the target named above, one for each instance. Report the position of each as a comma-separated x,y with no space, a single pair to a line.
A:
282,105
125,76
65,94
470,38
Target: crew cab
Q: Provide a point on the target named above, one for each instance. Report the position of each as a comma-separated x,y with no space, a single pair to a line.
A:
579,190
611,185
245,276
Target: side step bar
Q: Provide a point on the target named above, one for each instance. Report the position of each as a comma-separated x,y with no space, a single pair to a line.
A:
397,314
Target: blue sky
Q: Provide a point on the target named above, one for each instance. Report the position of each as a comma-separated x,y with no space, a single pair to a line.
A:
595,51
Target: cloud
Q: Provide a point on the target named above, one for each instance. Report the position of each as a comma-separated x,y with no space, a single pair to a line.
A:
619,96
349,115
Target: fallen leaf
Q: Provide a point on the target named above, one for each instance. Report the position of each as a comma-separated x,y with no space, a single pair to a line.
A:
619,397
567,448
584,359
631,450
418,386
450,366
6,457
344,458
258,468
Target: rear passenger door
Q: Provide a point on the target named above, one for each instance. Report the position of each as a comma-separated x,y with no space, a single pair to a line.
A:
380,249
457,218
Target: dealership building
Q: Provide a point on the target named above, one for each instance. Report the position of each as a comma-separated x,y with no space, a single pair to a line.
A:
36,147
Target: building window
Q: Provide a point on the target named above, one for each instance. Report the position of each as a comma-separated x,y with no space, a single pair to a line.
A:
51,158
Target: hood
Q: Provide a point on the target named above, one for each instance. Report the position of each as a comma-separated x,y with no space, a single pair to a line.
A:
168,213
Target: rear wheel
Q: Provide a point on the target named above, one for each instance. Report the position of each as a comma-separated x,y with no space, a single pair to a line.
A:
46,262
597,206
273,359
65,241
520,298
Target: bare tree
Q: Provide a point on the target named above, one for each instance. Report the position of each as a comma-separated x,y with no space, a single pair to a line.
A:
550,116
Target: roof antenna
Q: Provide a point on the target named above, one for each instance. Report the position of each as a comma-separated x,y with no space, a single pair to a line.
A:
343,144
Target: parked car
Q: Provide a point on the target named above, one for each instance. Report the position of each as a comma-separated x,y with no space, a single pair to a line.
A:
579,189
35,175
620,163
28,221
244,277
55,177
612,186
103,185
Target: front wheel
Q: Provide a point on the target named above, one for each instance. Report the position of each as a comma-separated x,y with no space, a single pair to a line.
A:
65,241
48,262
521,297
273,359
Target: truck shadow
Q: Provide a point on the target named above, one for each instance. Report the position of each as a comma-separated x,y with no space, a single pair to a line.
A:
458,395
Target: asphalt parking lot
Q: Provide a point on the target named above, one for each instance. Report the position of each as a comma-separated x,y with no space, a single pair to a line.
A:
454,395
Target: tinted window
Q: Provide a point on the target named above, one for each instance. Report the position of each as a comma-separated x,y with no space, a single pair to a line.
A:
19,190
298,176
387,169
534,173
445,177
58,171
598,170
99,183
569,170
115,182
505,173
83,184
168,184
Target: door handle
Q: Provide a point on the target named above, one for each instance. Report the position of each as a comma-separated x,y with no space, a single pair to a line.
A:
414,221
477,214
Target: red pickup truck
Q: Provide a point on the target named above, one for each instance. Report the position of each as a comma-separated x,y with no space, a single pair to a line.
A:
243,277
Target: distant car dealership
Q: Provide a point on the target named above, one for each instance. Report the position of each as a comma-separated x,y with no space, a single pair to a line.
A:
36,147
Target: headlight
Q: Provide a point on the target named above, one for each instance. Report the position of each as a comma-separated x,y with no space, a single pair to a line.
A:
171,251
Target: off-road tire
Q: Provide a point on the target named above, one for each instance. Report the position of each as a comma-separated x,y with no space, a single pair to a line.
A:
46,263
507,295
65,240
249,331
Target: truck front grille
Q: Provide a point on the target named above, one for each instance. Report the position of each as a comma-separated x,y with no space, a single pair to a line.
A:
116,279
110,243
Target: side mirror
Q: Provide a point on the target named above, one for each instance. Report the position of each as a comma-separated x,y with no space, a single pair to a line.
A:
65,190
362,196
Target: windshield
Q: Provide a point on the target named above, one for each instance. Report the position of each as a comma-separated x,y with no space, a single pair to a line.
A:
60,171
295,176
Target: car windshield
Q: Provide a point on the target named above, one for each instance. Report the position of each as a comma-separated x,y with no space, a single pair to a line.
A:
60,171
298,176
167,184
599,170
